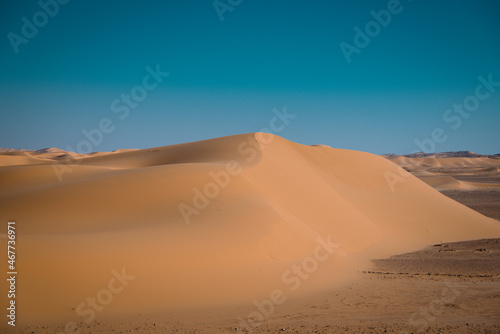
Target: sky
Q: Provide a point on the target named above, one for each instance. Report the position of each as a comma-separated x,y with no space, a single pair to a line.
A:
375,76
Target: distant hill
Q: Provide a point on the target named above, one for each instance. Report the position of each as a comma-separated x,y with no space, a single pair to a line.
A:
3,150
50,150
455,154
57,152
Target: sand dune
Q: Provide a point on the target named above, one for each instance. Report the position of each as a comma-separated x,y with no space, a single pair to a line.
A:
445,171
219,221
443,182
445,162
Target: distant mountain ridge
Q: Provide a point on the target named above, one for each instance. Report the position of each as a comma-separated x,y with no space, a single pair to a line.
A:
41,151
50,150
452,154
3,150
55,150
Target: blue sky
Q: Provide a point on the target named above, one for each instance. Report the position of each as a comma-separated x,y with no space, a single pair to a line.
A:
226,76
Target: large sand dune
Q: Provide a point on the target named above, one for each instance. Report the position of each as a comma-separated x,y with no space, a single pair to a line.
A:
220,221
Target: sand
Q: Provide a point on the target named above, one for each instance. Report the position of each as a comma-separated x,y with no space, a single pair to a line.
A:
420,292
193,236
452,173
472,181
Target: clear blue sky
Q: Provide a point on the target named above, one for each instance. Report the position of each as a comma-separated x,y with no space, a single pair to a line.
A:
226,76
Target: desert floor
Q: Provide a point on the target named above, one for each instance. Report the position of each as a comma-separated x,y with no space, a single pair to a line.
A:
445,288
